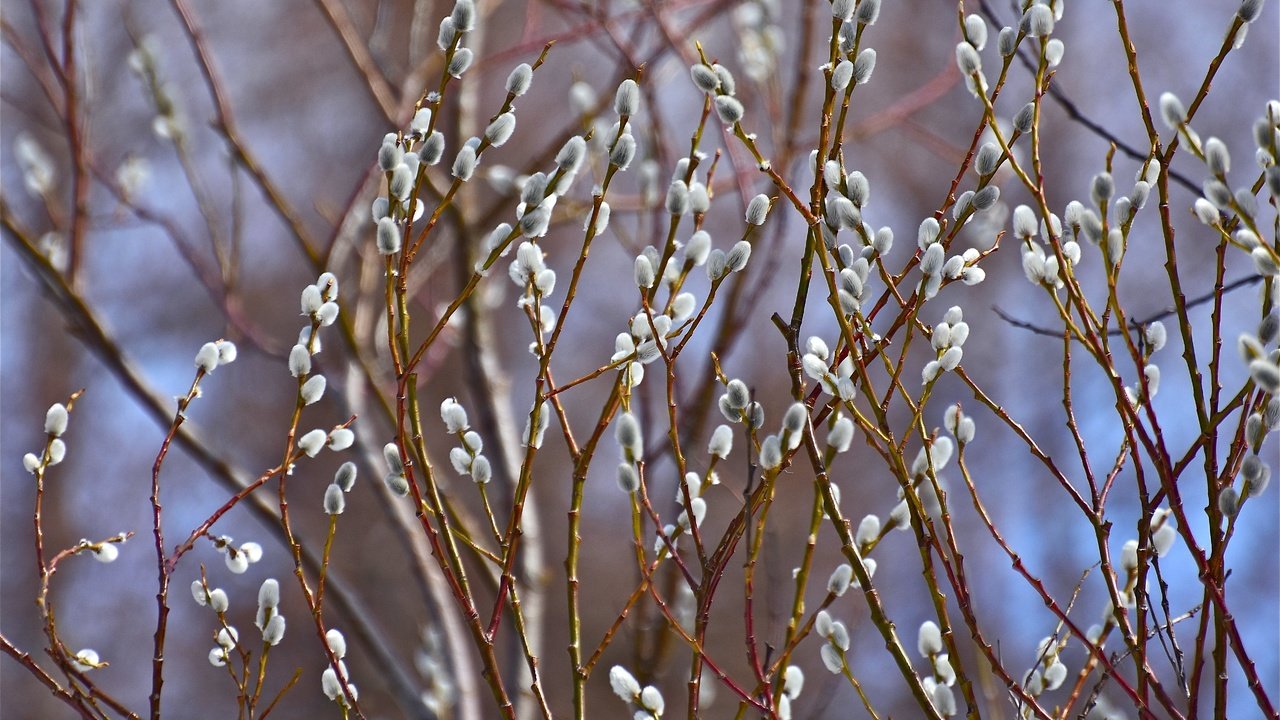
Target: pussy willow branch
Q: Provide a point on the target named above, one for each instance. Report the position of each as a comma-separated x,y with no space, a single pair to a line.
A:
1142,440
1074,112
1135,324
1223,620
59,653
163,567
408,413
1097,346
309,596
91,333
275,197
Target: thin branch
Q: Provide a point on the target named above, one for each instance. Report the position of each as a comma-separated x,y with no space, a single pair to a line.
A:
1134,323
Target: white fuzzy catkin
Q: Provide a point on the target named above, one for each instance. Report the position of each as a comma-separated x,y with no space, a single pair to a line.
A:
388,237
313,442
757,210
627,100
226,352
534,223
536,426
199,593
461,460
1266,375
1172,111
86,659
928,233
464,163
397,483
864,65
1249,10
218,657
842,75
299,361
967,59
1024,222
417,126
519,79
571,154
737,257
682,306
729,109
932,260
274,632
1216,156
840,578
106,552
432,148
929,639
312,390
644,273
207,357
337,643
481,470
868,11
401,184
721,443
678,198
57,451
327,314
1038,20
501,129
389,155
704,78
770,452
628,478
727,83
602,220
623,152
462,58
463,16
651,700
624,684
699,507
454,416
345,477
975,31
311,299
1055,675
55,420
341,439
1054,51
698,247
627,433
793,421
335,501
237,562
841,434
832,659
699,198
330,684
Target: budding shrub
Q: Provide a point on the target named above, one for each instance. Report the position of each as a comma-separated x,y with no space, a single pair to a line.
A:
630,402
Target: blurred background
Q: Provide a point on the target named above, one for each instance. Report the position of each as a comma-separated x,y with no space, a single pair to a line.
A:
183,240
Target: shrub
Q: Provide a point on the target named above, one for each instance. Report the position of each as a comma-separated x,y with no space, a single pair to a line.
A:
788,383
